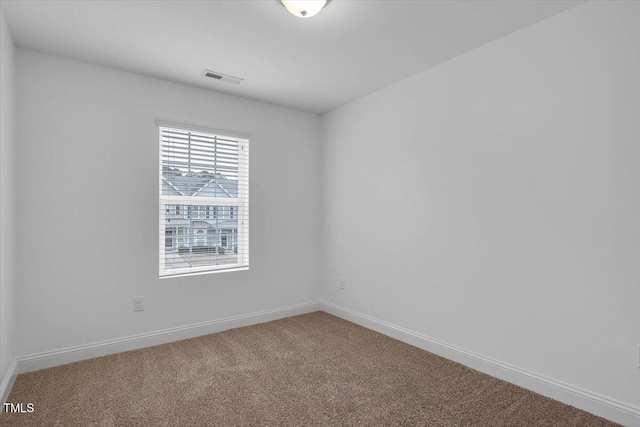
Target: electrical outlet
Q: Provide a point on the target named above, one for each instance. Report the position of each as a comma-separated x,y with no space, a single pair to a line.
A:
138,303
342,284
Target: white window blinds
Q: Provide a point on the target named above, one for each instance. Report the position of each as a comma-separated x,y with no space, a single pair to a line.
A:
204,200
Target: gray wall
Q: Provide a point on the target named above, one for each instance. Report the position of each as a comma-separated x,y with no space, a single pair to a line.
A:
8,272
88,178
492,202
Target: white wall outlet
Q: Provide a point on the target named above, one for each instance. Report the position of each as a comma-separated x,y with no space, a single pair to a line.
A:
343,284
138,303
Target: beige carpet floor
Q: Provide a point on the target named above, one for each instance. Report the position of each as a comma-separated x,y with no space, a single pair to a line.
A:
309,370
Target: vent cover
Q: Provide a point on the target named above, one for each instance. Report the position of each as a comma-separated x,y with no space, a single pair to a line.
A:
222,77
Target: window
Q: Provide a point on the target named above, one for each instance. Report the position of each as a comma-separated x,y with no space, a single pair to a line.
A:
204,200
168,239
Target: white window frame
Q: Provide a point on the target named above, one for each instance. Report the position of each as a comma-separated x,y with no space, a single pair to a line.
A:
241,203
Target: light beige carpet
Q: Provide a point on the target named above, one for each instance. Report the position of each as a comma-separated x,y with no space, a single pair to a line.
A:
309,370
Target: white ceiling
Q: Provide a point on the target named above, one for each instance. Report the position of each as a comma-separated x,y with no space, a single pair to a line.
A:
350,49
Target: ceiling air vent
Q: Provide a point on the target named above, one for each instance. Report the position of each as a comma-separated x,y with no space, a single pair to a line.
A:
221,77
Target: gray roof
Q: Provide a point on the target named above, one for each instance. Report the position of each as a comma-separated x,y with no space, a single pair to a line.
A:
204,184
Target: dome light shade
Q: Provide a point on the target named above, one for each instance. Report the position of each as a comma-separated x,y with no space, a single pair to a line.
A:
304,8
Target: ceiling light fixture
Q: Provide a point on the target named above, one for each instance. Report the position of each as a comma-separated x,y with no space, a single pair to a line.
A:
304,8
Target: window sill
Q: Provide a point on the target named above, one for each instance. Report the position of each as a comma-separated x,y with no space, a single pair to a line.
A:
198,273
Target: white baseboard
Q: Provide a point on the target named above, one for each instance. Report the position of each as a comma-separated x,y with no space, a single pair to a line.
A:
594,403
63,356
7,382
